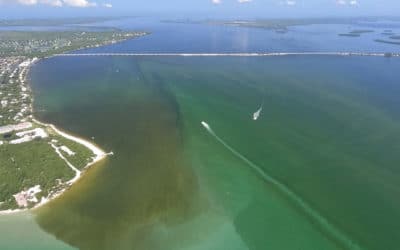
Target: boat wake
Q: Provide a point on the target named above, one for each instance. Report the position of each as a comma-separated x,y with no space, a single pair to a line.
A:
307,209
257,114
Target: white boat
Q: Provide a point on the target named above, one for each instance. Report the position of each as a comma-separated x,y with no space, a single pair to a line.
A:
257,114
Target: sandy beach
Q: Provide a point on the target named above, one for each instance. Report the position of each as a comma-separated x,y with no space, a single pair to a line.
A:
98,153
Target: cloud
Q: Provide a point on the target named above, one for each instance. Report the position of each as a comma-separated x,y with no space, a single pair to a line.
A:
245,1
288,2
216,1
79,3
27,2
347,2
353,2
57,3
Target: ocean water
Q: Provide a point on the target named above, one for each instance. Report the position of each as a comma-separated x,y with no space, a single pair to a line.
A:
317,170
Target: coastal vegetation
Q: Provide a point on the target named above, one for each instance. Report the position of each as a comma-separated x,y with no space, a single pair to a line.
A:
38,161
80,156
283,24
276,24
41,44
28,164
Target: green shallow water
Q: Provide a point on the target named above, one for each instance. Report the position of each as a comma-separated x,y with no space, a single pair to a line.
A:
318,170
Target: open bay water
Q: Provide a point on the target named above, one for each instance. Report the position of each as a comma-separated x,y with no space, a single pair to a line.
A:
156,192
203,38
329,132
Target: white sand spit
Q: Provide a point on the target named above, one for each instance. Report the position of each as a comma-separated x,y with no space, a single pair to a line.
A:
99,154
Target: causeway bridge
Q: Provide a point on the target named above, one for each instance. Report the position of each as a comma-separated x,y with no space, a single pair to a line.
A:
236,54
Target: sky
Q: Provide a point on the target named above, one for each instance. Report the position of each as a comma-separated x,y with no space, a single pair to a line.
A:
199,8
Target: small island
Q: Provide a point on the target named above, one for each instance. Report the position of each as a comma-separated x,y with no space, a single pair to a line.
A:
387,41
42,44
355,33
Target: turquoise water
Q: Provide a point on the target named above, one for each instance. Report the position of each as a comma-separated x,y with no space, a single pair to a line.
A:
318,170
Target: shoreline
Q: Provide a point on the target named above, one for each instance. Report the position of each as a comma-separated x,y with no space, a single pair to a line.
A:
98,153
99,156
96,150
